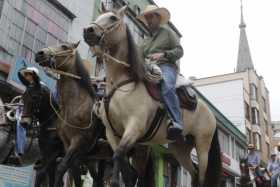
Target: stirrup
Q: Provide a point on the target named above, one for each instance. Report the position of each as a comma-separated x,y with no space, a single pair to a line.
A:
174,131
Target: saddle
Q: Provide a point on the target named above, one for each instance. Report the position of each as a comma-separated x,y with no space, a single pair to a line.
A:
184,90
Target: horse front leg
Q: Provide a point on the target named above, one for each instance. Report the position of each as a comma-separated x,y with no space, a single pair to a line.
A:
121,162
73,153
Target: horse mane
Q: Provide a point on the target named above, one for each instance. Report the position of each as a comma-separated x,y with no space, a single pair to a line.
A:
85,81
134,58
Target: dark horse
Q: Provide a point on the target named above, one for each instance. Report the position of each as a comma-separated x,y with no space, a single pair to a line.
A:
37,106
246,181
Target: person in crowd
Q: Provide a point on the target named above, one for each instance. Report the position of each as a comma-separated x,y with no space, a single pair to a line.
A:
273,168
253,159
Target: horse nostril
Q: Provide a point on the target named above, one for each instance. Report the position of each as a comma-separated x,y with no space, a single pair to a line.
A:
40,53
89,30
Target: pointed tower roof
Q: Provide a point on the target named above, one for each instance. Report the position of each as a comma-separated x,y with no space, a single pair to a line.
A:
244,60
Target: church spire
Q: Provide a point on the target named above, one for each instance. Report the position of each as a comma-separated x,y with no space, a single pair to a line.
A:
244,60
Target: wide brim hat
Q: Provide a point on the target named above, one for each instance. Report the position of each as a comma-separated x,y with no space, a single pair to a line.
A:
251,146
150,9
33,70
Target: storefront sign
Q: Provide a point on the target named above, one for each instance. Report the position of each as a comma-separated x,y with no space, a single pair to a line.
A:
225,159
16,176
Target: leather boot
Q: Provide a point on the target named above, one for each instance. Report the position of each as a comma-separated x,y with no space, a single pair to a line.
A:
174,131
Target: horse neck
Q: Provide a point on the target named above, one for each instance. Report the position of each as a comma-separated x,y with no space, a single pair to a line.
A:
116,73
71,93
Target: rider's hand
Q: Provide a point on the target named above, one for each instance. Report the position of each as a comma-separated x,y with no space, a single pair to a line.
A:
156,56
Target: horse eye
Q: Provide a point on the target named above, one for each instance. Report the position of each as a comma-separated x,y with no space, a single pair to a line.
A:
114,18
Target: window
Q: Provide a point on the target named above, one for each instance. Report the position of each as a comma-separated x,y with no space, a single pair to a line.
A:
14,46
248,135
30,27
1,6
232,147
239,152
137,10
264,104
247,111
257,141
28,40
268,150
38,45
255,116
26,53
41,34
225,142
19,19
253,91
266,128
51,40
108,4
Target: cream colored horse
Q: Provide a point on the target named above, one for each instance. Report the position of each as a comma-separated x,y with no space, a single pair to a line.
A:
131,109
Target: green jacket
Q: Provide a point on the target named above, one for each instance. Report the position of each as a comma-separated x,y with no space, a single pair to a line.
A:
164,41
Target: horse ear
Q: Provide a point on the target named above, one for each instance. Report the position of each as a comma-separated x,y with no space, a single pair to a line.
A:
122,11
103,8
75,45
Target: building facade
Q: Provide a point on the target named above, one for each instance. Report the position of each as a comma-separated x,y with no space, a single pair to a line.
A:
243,98
29,25
276,135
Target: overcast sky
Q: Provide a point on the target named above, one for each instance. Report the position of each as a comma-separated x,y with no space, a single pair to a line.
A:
211,36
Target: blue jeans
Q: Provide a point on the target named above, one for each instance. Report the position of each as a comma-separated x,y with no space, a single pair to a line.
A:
20,133
274,178
168,92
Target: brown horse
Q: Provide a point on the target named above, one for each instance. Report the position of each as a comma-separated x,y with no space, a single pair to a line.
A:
78,127
128,110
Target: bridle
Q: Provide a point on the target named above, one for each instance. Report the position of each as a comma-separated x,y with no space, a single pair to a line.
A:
69,53
105,31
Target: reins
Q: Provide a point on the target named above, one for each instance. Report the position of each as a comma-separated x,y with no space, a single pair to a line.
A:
66,122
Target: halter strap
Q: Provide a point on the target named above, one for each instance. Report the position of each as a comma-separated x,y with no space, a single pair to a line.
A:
106,30
159,116
69,54
107,100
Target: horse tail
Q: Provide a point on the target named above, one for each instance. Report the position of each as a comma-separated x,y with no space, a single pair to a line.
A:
214,168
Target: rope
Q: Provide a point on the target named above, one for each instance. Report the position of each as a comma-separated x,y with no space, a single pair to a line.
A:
67,123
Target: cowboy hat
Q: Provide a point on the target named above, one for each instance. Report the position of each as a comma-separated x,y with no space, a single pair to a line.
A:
150,9
251,146
33,70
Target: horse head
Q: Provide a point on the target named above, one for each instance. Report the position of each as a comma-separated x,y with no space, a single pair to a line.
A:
244,167
107,30
109,36
57,57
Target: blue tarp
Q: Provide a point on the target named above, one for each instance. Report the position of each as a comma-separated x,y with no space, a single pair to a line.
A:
16,176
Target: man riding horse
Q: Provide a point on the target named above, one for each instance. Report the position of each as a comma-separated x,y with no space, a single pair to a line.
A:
163,48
